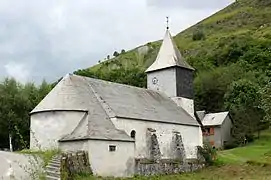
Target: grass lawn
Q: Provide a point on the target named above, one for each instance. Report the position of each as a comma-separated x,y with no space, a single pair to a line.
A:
258,152
252,162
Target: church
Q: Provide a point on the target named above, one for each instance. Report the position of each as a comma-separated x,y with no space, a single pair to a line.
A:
116,123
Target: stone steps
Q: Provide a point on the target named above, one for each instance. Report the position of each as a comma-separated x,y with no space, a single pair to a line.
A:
53,173
51,178
53,169
54,164
55,161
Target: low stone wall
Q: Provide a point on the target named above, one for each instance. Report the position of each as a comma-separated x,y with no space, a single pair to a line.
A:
74,163
147,167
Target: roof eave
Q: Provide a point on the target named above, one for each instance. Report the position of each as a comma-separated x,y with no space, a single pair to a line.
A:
55,110
96,139
153,70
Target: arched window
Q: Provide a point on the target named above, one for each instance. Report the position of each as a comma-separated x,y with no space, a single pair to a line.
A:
133,134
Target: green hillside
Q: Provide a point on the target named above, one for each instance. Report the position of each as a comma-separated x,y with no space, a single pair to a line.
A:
217,40
231,52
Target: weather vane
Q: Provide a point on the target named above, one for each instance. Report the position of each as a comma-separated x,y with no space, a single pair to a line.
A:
167,23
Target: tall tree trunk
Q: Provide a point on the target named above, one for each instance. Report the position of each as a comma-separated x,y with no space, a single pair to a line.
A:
10,143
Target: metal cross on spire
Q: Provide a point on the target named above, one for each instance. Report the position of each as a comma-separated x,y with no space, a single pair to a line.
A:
167,23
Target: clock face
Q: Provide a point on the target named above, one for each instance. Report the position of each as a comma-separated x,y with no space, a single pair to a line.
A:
154,80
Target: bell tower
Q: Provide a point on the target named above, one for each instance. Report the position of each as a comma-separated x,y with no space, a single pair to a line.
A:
172,75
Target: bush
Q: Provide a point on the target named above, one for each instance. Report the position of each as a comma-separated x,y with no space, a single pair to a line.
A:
116,54
250,138
208,153
231,144
198,35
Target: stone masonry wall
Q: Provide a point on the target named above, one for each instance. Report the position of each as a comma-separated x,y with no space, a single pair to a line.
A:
155,165
73,163
148,168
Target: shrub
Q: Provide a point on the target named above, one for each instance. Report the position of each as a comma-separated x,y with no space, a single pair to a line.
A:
116,54
231,144
250,138
198,35
208,153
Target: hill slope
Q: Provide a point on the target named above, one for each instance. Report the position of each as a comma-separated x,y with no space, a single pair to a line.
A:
209,43
231,52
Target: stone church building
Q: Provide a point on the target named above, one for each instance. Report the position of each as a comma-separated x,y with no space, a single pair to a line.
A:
117,123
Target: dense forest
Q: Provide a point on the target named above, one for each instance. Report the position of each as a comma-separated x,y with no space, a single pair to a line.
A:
231,52
17,100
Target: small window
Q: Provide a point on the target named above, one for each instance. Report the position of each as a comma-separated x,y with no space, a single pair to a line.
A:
112,148
212,131
133,134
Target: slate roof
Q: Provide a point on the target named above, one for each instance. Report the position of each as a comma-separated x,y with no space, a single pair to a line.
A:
138,103
213,119
201,114
104,100
168,56
98,127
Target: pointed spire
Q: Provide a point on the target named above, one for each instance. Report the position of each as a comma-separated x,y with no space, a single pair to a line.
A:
169,55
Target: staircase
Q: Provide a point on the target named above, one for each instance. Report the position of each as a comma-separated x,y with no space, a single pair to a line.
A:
53,169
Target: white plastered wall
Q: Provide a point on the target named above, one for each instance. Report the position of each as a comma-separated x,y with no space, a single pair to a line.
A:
186,104
119,163
48,127
166,81
192,136
226,130
74,146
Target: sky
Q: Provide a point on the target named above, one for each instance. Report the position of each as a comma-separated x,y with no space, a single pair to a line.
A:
47,39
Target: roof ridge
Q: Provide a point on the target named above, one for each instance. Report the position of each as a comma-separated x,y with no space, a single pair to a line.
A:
123,85
218,112
108,110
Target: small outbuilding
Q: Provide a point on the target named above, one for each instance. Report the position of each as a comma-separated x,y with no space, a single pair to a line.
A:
217,127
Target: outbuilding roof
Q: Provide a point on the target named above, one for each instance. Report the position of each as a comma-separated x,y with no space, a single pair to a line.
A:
213,119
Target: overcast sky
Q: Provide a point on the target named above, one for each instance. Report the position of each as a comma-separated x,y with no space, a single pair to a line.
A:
46,39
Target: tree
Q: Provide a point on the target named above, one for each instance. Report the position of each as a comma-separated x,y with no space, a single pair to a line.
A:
43,90
243,100
108,57
266,103
16,101
131,76
122,51
116,54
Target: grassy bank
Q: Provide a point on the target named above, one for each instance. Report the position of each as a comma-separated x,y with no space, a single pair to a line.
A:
258,152
252,162
38,160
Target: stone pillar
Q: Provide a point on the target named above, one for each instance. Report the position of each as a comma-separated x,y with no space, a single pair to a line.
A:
153,145
179,147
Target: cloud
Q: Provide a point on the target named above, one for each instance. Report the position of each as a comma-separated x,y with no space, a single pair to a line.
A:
188,4
47,39
17,71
